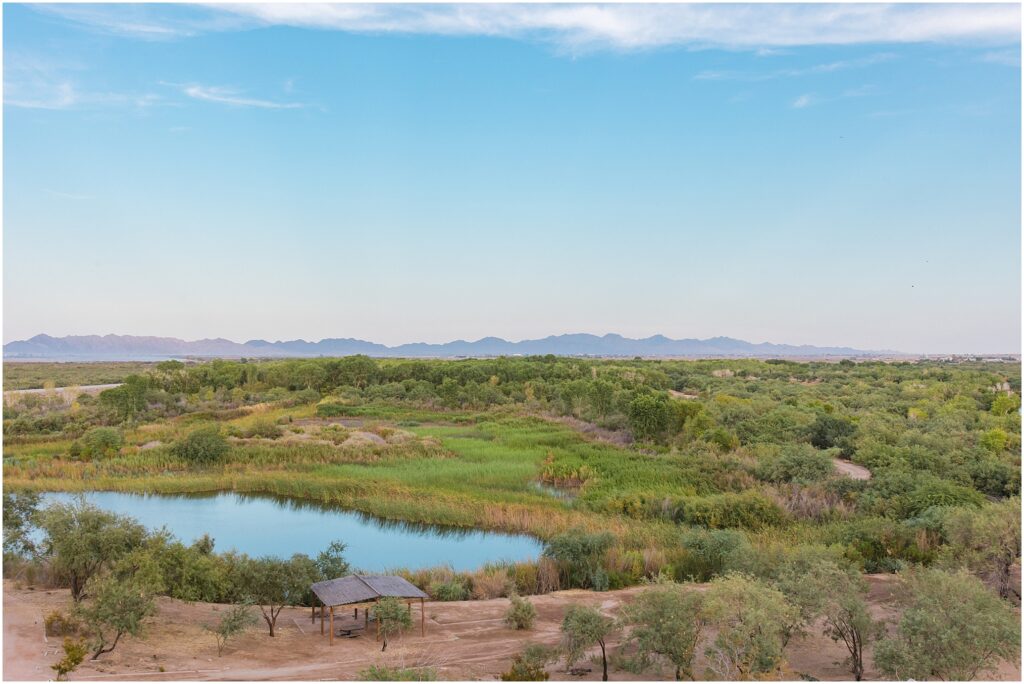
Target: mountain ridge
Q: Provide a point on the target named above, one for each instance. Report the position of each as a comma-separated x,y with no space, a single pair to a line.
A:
136,347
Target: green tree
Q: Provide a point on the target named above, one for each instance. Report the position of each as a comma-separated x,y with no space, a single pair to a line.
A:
987,542
953,628
829,431
331,563
392,617
665,621
648,416
582,628
80,540
273,583
202,446
115,607
750,617
127,400
234,621
846,615
19,510
1005,404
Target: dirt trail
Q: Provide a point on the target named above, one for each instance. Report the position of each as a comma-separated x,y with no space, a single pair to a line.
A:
857,472
464,640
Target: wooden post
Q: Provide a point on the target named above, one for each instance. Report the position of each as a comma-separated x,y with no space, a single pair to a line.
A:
312,612
331,641
321,618
423,619
356,614
378,621
366,617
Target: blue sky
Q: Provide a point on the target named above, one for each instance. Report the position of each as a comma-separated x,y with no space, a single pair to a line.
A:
819,175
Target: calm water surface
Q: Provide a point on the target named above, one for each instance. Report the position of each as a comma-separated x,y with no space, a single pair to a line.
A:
262,525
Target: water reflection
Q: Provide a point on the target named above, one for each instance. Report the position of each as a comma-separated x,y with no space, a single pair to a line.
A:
259,524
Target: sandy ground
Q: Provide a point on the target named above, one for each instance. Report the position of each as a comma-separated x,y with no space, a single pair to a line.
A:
464,640
857,472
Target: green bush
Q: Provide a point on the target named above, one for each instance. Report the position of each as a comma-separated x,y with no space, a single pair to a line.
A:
101,441
520,614
796,463
709,553
579,555
453,590
528,666
202,447
264,429
329,410
749,510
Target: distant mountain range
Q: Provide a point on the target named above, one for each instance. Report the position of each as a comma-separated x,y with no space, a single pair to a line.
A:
132,348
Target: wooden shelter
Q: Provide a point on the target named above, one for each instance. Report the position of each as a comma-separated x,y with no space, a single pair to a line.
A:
365,591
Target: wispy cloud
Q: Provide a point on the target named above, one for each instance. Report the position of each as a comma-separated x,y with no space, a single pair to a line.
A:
1009,58
579,27
35,83
805,100
228,96
808,99
817,69
145,22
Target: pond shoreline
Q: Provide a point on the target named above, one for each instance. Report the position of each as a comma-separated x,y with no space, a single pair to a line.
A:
267,524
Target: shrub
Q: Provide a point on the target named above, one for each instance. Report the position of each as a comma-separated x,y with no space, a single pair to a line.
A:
941,493
58,624
234,621
829,431
579,555
453,590
525,578
521,613
329,410
708,553
264,429
202,447
74,654
489,585
797,463
383,673
101,441
749,510
528,666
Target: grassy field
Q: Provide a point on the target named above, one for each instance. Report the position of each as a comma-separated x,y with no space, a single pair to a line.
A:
23,375
480,473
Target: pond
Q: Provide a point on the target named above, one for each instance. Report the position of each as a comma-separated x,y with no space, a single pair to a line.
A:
267,525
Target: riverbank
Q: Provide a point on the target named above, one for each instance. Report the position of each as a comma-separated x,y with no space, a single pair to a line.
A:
464,640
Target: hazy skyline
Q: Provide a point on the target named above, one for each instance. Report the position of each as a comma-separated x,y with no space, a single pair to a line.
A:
836,176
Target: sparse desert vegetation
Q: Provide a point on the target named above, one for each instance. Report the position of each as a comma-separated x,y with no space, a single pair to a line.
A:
735,485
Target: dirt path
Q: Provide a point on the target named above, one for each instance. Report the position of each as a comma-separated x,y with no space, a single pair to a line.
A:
464,640
857,472
27,652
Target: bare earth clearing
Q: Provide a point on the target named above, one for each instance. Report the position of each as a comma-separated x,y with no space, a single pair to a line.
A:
465,640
